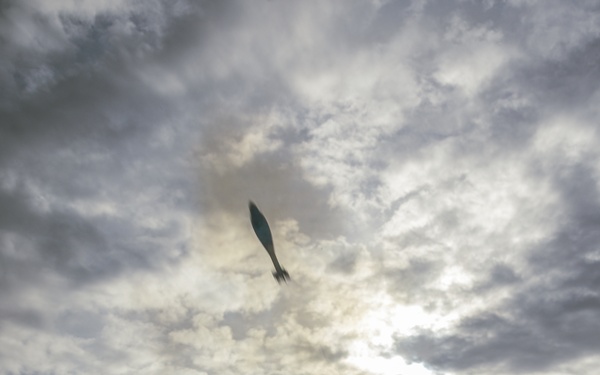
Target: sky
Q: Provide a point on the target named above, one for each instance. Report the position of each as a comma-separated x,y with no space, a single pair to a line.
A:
430,171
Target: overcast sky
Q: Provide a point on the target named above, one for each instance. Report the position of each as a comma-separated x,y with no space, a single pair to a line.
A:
430,171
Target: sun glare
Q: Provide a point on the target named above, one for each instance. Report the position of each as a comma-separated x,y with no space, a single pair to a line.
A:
365,358
372,351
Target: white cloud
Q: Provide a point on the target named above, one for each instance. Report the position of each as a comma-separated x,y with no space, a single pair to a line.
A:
259,138
565,140
472,56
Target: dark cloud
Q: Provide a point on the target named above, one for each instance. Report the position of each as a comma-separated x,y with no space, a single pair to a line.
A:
82,147
387,21
76,247
345,263
46,46
499,276
412,283
565,83
321,353
395,149
84,324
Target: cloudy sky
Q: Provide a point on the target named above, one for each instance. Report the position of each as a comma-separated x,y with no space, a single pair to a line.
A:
430,171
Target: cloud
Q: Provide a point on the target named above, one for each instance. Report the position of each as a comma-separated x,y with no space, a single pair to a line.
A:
549,316
429,171
529,321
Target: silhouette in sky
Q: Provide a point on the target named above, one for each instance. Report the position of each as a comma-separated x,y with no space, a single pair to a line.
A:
263,232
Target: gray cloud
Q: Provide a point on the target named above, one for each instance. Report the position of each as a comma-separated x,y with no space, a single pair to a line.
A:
429,171
550,316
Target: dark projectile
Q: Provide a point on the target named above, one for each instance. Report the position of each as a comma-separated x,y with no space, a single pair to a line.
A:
263,232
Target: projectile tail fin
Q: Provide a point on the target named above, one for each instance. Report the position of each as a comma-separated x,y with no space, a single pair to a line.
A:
281,275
